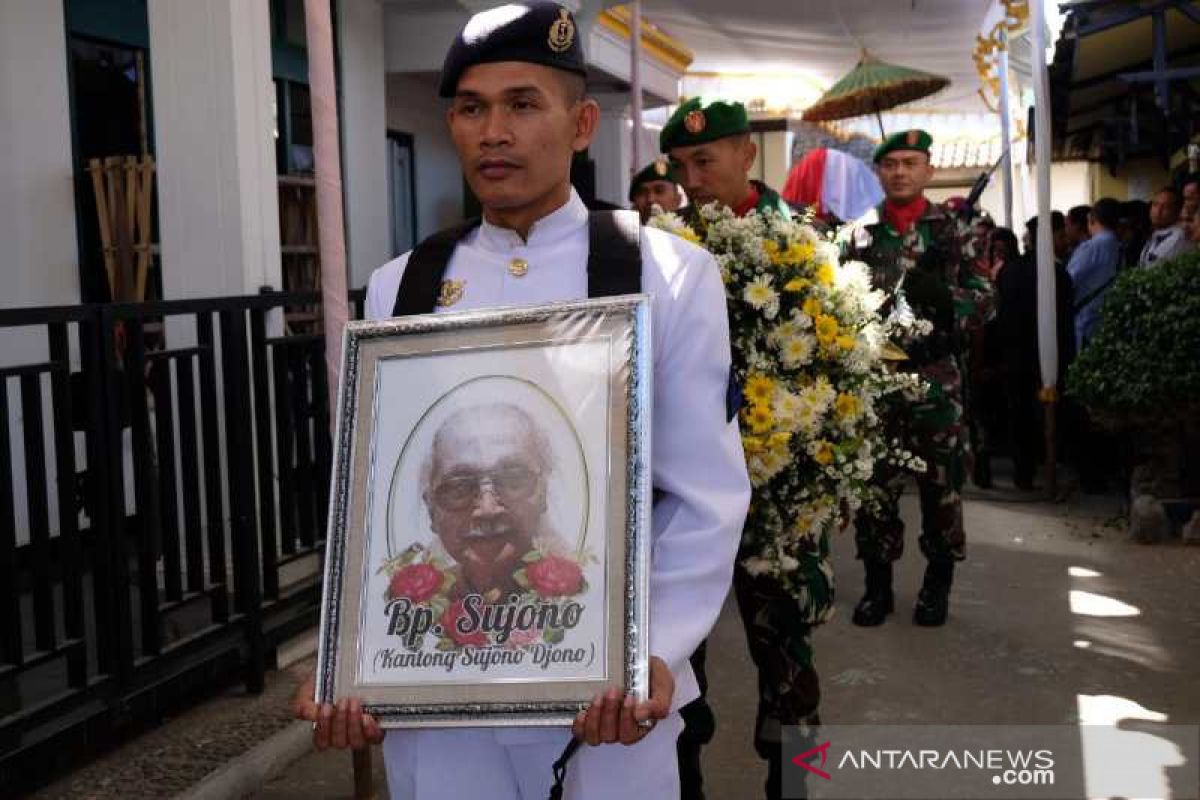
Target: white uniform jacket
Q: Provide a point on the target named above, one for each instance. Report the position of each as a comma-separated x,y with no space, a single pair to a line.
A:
698,467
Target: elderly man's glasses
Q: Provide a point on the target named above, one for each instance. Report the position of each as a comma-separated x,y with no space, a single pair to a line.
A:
509,484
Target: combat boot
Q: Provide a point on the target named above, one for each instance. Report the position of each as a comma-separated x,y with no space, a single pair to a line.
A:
877,602
933,601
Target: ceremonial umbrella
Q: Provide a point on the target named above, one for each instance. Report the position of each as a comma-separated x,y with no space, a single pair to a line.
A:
871,87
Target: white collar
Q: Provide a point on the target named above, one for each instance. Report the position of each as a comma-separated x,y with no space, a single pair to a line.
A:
555,226
1164,233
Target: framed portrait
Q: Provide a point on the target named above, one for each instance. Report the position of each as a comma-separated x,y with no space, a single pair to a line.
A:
489,525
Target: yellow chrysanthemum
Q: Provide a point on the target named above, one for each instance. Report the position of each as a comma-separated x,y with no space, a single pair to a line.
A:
827,329
689,234
824,454
774,254
796,285
812,306
759,418
759,389
825,274
846,406
753,444
802,251
779,441
846,341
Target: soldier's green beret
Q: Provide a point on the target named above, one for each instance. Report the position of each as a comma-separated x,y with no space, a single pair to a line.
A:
657,170
904,140
535,31
697,122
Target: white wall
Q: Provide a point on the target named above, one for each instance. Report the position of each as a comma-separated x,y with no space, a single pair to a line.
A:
612,149
364,137
38,255
1070,185
217,191
414,107
38,252
416,39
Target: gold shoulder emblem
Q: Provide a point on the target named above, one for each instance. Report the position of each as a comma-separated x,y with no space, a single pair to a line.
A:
562,32
451,292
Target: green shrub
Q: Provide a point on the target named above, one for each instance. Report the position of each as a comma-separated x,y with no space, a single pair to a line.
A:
1144,361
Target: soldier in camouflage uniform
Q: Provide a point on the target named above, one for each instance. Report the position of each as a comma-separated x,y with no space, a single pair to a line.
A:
924,259
711,154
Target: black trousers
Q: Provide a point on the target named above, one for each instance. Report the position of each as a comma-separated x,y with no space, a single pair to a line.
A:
699,725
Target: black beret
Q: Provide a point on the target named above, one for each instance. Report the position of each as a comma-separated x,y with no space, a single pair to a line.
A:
535,31
657,170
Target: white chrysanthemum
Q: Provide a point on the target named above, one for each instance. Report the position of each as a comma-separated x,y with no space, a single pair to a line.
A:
808,417
759,293
853,277
828,253
796,351
757,565
784,331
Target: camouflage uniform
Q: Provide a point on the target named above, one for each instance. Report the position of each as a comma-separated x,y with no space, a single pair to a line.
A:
934,271
778,629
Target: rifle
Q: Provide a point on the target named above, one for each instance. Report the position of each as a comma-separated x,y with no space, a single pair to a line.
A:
980,184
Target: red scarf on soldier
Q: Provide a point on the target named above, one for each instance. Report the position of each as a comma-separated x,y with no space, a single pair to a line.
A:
904,217
749,204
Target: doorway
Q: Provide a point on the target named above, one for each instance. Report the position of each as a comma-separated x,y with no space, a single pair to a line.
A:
402,192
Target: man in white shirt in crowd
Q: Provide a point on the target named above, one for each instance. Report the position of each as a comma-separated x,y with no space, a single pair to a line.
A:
1168,238
518,113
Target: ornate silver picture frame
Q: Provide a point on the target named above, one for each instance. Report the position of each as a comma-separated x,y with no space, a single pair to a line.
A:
487,557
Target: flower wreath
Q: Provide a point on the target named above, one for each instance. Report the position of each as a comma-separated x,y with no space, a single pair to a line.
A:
810,351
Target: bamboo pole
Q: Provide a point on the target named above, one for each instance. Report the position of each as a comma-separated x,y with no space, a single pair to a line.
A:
1047,303
331,240
635,82
96,170
1006,130
327,160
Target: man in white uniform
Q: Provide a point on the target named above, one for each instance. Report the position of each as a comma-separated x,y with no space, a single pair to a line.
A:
518,113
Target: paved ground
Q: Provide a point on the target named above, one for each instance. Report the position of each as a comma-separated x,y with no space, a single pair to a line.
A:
1054,613
1020,647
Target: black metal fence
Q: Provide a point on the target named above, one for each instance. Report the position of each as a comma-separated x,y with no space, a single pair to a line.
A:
163,488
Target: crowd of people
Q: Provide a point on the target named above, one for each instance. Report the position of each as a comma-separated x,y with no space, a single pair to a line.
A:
1092,245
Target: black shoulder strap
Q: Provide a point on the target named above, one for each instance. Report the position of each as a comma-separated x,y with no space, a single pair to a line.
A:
422,280
614,253
614,261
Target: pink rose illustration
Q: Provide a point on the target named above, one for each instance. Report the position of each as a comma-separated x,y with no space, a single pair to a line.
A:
417,582
554,576
518,638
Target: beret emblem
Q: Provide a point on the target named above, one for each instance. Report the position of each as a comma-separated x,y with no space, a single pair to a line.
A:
660,168
695,121
913,138
562,32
